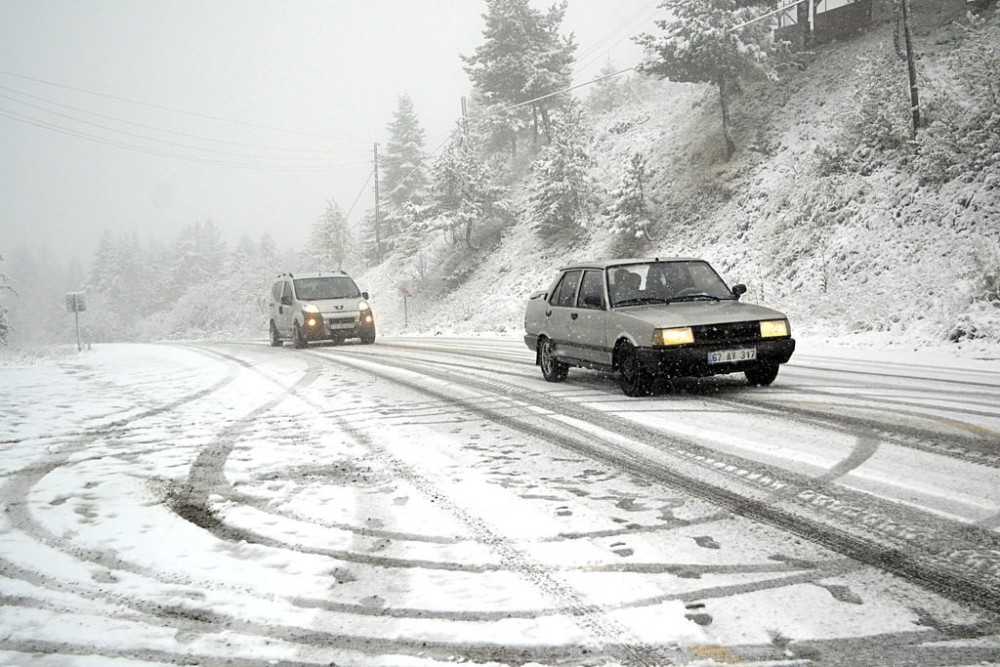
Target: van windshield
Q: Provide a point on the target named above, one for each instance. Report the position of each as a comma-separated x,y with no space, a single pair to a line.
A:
326,287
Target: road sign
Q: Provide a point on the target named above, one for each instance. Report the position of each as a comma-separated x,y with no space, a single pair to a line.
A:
76,302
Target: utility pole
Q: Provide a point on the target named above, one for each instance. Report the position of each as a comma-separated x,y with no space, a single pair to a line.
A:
911,66
465,121
378,223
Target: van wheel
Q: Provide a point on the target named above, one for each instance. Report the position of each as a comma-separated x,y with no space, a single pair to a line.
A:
298,338
368,338
275,340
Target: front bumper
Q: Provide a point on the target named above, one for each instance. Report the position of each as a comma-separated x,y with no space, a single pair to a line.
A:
331,327
692,360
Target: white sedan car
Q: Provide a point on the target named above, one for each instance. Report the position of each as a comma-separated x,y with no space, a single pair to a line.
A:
653,317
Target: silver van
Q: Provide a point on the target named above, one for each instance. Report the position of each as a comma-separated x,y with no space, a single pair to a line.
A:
324,305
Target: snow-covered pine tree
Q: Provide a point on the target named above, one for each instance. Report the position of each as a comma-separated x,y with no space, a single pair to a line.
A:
609,91
628,213
562,193
403,176
710,41
522,58
330,240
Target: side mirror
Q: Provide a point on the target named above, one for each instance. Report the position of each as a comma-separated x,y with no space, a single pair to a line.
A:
739,290
286,301
364,295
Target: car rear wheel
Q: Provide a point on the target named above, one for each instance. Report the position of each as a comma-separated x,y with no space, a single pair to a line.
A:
762,374
298,338
633,379
553,370
275,339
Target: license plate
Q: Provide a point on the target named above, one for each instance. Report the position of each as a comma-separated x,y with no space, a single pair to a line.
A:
731,356
345,325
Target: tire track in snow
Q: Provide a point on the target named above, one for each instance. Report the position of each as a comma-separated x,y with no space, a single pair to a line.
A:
918,547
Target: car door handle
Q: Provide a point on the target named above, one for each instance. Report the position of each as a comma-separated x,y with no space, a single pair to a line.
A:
548,313
573,316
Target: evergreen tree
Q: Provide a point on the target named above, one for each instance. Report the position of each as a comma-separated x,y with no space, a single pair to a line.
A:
6,289
522,58
464,191
629,214
330,241
609,91
562,192
403,177
706,41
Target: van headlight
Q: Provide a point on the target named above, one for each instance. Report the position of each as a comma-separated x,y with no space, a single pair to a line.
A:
363,306
673,336
774,328
310,309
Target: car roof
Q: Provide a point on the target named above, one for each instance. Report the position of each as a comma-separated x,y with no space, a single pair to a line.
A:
606,263
314,274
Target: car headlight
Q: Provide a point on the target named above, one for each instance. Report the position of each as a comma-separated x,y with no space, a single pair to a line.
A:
773,328
309,308
674,336
363,306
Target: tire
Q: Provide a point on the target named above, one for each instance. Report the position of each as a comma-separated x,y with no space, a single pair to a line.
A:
633,379
298,338
368,338
553,370
762,374
275,339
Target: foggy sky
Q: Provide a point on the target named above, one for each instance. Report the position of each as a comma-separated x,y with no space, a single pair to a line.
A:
142,116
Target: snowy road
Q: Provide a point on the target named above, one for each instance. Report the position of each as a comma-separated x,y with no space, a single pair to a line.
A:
432,500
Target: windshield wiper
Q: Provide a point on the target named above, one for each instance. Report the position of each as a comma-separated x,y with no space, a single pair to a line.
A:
640,301
696,297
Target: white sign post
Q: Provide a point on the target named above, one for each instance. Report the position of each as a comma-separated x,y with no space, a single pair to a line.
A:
76,302
404,289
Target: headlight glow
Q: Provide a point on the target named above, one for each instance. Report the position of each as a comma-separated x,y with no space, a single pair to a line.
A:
311,322
364,306
773,328
675,336
309,308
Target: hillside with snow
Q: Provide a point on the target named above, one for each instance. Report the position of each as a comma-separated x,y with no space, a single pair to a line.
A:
829,209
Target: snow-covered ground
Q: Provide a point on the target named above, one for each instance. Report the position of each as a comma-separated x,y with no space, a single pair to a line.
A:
207,503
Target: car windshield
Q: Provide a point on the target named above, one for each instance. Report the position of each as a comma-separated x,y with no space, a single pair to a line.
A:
665,282
326,287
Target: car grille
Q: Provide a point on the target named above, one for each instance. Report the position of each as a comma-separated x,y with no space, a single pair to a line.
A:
726,333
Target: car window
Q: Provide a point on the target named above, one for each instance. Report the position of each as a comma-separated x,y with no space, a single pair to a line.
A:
564,294
286,290
592,290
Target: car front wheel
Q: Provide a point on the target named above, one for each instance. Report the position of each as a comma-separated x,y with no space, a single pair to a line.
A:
633,379
762,374
553,370
275,339
298,337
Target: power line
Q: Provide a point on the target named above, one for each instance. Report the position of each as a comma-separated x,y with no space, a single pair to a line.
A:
155,140
13,115
149,127
360,192
173,110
